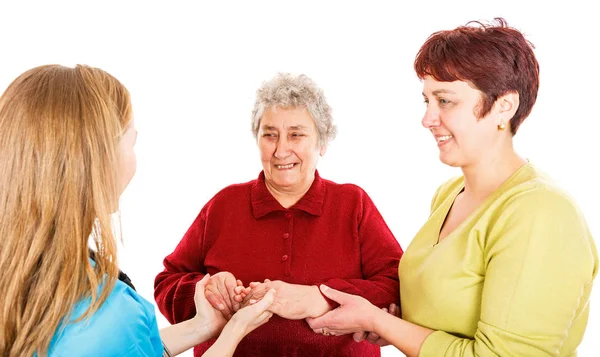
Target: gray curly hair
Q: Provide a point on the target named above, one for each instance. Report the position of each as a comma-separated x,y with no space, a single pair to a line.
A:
289,91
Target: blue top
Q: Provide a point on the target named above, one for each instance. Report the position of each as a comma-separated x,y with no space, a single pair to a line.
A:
125,325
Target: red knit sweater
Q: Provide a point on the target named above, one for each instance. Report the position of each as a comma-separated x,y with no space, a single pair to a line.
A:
333,235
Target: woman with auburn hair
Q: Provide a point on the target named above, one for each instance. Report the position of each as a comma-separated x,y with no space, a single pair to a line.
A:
66,153
505,263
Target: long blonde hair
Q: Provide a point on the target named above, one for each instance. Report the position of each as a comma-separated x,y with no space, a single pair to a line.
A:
59,130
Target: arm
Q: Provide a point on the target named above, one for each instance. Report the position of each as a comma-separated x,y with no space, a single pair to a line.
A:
292,301
174,287
356,314
380,256
183,269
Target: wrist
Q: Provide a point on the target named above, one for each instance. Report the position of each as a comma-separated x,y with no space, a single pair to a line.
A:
373,319
234,331
201,329
230,337
319,304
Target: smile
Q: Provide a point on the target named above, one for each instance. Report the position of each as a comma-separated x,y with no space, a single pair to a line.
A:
443,138
284,167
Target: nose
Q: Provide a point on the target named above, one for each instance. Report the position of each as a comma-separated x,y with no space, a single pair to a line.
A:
431,119
282,150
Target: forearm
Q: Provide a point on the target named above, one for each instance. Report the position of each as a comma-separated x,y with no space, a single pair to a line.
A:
380,290
405,336
227,342
185,335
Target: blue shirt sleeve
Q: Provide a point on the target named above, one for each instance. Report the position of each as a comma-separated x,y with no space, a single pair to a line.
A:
125,325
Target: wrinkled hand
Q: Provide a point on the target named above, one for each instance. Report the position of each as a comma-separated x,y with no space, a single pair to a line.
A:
353,314
372,337
292,301
220,292
207,317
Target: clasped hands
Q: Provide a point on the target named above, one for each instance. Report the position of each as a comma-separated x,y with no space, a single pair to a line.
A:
292,301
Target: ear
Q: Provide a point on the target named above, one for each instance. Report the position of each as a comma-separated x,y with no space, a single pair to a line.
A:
323,150
507,105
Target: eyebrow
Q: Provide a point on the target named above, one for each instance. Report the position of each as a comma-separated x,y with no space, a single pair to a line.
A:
293,127
441,91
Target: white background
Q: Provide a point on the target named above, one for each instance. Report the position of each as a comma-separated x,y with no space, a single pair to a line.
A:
193,70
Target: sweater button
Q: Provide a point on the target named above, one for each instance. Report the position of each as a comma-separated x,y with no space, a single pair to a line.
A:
284,258
288,215
286,235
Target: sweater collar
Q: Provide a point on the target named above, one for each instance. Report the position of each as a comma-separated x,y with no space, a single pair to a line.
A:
264,203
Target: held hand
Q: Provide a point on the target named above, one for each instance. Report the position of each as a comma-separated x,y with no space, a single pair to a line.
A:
292,301
207,317
253,316
372,337
220,292
241,292
353,314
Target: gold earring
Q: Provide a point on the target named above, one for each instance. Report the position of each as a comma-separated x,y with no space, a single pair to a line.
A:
501,126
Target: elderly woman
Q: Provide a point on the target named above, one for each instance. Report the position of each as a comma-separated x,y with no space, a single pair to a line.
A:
505,263
299,229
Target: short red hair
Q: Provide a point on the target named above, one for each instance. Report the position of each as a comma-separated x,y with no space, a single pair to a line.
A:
496,59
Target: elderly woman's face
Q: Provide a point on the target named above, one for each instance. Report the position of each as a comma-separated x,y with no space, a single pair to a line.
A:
289,149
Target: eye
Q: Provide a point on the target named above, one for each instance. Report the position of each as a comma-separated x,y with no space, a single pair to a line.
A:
443,101
297,135
269,135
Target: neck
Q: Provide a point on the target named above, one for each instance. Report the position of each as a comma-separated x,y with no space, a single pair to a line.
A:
489,173
287,197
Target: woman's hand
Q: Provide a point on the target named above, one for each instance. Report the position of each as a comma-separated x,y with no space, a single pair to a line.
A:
372,337
353,315
292,301
256,314
207,317
220,292
242,323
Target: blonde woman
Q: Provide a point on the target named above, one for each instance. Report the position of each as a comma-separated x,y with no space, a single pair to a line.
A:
66,155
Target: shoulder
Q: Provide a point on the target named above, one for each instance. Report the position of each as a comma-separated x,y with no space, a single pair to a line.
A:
539,212
125,322
345,191
540,196
234,193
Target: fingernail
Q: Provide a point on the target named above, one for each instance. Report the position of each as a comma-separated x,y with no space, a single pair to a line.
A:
324,287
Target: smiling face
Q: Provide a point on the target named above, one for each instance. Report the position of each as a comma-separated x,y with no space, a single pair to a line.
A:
451,116
289,149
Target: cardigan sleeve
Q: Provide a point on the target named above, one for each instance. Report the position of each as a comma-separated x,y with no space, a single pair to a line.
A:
175,286
540,262
380,255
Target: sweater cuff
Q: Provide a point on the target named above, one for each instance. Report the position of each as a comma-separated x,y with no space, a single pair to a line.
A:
184,305
436,344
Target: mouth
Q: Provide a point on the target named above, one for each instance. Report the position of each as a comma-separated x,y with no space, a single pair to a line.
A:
285,167
443,138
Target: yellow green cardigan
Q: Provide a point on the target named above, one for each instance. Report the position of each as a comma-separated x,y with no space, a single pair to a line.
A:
514,279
